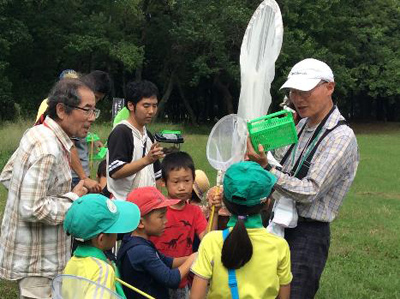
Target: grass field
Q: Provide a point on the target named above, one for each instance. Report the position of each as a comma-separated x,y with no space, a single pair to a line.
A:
364,258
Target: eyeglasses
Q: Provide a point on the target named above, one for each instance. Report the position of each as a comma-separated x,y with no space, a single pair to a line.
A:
303,94
88,111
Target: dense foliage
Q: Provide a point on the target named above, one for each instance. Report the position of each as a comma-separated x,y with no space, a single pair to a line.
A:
190,49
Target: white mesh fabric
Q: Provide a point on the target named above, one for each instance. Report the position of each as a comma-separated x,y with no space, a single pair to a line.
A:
261,45
226,143
75,287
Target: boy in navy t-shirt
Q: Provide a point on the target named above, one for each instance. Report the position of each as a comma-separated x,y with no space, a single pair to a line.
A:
139,262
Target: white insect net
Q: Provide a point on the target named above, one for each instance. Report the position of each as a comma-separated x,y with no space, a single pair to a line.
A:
75,287
261,45
226,143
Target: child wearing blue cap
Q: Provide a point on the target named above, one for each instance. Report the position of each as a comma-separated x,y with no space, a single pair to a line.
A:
94,221
243,261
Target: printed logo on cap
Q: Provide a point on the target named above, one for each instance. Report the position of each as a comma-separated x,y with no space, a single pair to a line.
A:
111,206
298,73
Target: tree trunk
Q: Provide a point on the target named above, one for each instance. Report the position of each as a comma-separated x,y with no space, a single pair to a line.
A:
189,109
139,69
351,113
396,110
226,95
90,62
123,81
165,97
380,110
138,73
366,107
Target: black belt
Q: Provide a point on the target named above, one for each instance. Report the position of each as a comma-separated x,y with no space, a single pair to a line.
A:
304,219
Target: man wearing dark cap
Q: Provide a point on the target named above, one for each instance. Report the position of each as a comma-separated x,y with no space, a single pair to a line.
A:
317,172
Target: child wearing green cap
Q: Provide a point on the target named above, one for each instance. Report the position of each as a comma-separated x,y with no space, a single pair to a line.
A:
94,221
243,261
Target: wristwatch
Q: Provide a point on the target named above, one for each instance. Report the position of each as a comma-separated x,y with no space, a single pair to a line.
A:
268,167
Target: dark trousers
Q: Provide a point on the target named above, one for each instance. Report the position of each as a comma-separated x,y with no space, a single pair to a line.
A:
309,246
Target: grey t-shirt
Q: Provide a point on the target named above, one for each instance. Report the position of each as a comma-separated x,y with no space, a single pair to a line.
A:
82,147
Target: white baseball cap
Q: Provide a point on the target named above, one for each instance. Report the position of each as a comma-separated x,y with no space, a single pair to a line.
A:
306,74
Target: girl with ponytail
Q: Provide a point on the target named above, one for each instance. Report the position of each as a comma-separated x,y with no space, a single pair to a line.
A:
243,261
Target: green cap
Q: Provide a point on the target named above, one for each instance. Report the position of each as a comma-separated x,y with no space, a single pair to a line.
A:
93,214
247,183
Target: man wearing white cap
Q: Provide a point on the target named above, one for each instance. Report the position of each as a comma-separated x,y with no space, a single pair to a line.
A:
317,172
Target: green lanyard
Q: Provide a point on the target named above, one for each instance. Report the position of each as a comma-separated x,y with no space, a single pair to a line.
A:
293,148
307,153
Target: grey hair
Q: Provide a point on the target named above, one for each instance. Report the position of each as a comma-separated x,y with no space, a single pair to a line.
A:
64,91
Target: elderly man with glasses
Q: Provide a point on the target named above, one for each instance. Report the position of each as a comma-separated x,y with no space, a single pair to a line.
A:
100,83
317,172
33,245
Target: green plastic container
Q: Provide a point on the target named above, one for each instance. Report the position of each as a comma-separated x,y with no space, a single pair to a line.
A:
101,154
273,131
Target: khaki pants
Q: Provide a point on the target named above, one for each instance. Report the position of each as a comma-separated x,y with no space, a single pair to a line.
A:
35,287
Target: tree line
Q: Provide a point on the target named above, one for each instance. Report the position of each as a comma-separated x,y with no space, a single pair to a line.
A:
191,48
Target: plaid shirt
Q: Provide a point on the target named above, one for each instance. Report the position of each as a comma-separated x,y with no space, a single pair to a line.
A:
320,194
38,179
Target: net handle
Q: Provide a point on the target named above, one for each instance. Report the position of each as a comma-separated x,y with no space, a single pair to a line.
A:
134,289
219,184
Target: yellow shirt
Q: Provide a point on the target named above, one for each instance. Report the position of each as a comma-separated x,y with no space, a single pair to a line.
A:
261,277
90,268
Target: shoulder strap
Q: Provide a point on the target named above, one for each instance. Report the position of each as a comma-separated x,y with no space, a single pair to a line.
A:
144,149
231,273
292,146
150,135
303,171
225,233
316,133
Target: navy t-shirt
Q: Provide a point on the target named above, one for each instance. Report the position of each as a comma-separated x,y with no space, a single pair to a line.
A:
141,265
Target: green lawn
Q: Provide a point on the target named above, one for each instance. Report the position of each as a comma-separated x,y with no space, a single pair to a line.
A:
365,250
364,257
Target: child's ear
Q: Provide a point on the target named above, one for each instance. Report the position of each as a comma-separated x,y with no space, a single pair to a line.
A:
97,241
163,183
141,225
100,237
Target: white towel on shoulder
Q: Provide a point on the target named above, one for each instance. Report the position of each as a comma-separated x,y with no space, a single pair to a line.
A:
285,215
